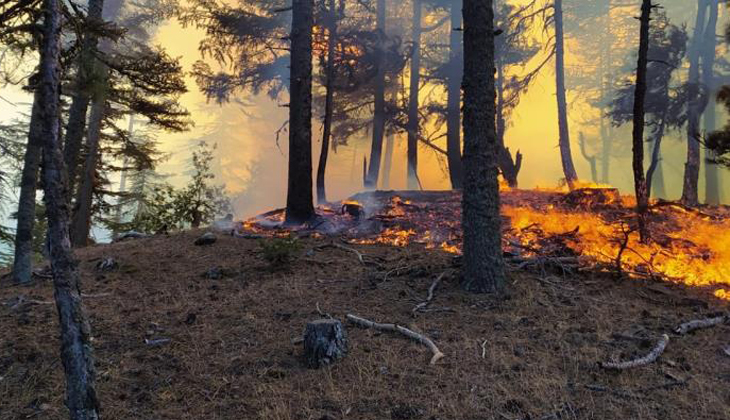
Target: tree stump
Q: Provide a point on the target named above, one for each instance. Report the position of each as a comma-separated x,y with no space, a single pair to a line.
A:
325,341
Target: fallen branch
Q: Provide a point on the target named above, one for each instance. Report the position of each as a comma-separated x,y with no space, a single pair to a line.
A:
431,291
360,255
726,350
642,361
437,355
699,324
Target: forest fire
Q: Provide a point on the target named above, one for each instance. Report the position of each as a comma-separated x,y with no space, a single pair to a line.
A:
589,228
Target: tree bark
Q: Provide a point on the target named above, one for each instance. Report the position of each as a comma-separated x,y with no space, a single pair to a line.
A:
712,182
655,175
328,104
415,82
81,96
81,218
23,262
453,105
299,202
75,332
388,161
119,214
373,173
642,195
692,166
483,264
566,157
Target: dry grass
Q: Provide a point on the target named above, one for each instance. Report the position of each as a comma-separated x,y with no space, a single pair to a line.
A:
232,357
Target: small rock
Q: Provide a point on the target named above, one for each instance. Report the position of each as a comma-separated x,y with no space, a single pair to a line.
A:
208,238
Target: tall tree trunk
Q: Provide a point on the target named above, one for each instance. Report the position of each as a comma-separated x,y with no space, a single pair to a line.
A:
81,218
388,161
413,120
123,179
75,332
453,101
606,68
590,159
483,264
23,262
328,103
642,195
690,194
712,182
371,179
299,202
566,157
81,96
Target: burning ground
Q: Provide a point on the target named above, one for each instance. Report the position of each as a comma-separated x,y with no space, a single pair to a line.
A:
192,332
589,228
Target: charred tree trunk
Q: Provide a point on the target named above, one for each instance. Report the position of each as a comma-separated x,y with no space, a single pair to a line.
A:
483,263
509,167
81,96
388,161
642,194
415,83
655,175
690,195
81,219
453,105
566,157
75,332
328,104
712,182
373,173
299,203
23,262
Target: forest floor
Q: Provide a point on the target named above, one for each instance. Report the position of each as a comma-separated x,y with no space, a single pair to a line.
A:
232,352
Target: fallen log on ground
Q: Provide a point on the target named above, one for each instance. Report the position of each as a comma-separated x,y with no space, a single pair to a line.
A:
699,324
437,354
642,361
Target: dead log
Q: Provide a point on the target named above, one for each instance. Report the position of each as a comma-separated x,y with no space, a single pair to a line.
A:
325,342
699,324
437,355
642,361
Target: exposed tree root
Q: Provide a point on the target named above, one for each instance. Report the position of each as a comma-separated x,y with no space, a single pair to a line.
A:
642,361
437,355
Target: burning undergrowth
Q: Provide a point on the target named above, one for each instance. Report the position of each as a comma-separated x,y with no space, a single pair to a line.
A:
590,228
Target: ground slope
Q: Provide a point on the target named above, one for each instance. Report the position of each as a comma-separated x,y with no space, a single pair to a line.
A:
231,354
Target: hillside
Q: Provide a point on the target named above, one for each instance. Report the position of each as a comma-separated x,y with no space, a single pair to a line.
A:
233,354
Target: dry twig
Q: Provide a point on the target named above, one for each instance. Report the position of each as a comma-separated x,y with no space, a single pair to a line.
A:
437,355
642,361
431,291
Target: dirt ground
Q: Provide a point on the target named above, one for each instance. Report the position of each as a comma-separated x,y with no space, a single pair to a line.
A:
232,351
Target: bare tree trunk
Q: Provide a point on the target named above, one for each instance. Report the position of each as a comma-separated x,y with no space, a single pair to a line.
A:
23,262
642,195
481,221
388,161
81,96
655,175
328,104
453,102
606,68
566,157
690,195
75,332
510,167
712,182
123,179
81,219
371,179
413,120
590,159
299,202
